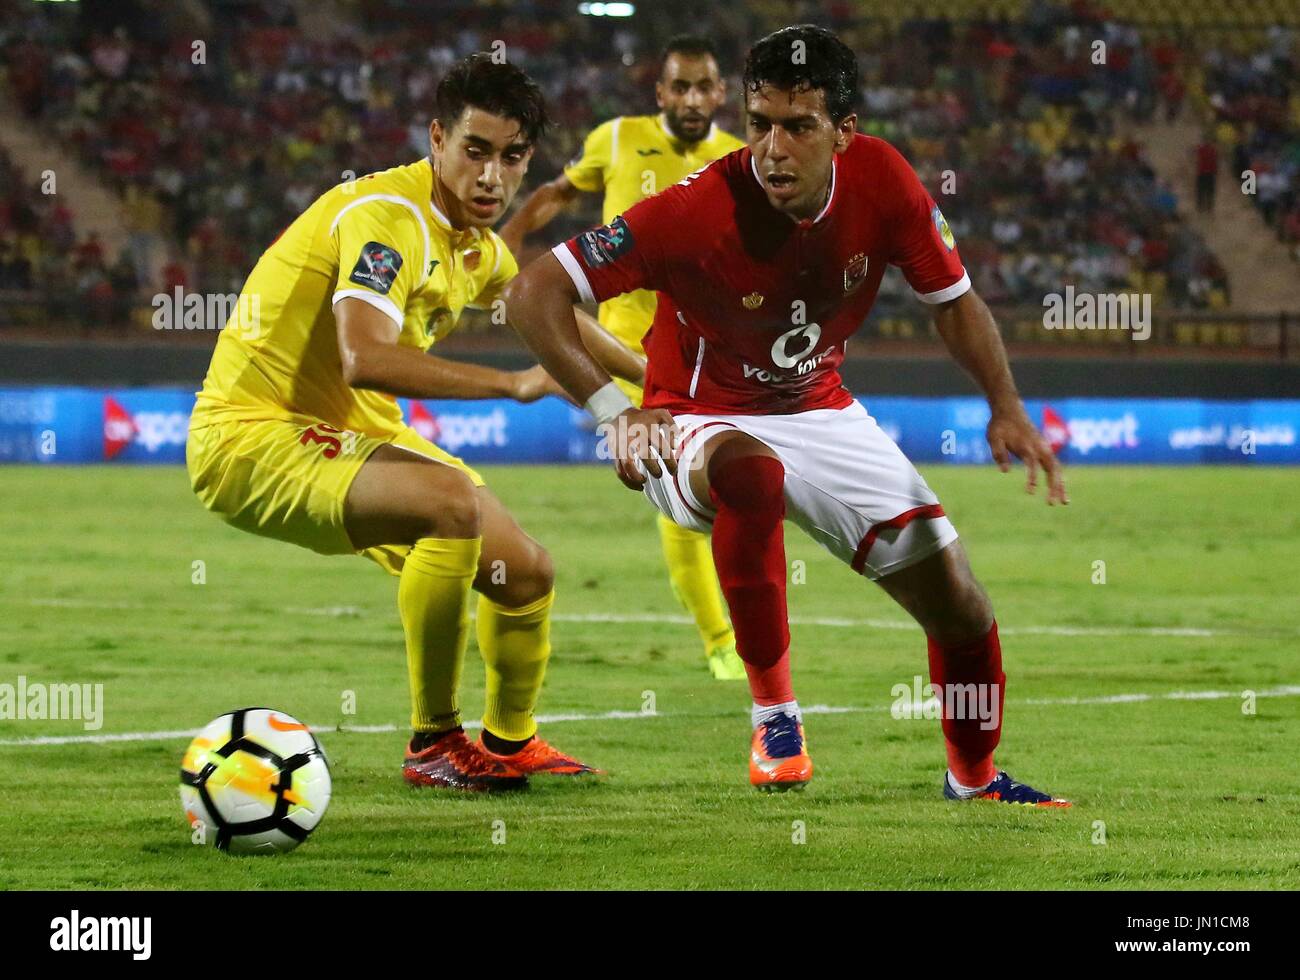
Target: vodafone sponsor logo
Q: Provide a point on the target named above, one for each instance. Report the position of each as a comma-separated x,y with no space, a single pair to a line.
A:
794,345
151,430
802,364
452,431
1085,434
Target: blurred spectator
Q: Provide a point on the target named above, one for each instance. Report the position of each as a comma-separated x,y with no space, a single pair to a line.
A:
1207,173
15,268
125,285
144,219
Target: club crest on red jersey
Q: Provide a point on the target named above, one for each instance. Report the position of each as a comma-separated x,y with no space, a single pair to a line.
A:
855,272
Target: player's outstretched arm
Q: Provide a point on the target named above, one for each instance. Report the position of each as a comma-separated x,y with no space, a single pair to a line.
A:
971,336
372,359
537,211
540,306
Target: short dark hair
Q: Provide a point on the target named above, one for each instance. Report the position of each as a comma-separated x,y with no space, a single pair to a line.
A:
826,63
690,45
497,87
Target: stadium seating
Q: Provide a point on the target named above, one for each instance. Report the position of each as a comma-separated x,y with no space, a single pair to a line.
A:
998,94
48,269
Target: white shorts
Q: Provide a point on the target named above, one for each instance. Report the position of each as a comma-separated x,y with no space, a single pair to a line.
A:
846,483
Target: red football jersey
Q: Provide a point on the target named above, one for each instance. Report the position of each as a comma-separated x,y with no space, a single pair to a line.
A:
755,308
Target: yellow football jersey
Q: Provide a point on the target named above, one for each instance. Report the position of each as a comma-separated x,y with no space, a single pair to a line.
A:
380,239
630,158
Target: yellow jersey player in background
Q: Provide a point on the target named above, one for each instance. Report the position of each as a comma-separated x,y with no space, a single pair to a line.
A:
630,158
297,434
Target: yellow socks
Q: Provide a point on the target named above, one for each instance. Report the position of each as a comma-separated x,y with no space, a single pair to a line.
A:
515,644
433,599
689,557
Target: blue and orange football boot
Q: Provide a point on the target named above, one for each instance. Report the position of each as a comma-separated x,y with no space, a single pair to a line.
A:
778,755
454,762
539,756
1004,789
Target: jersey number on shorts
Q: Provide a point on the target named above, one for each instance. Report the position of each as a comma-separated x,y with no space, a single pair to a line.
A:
332,445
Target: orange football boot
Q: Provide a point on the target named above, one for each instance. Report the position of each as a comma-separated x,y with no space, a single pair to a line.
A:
778,755
454,762
538,756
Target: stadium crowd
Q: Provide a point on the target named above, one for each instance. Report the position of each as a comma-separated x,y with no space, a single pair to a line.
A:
215,145
1251,101
42,252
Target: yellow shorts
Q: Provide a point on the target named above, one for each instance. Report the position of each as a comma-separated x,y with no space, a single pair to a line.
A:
628,329
289,479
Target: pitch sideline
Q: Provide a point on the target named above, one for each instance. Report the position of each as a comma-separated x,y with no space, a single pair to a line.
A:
834,622
1286,691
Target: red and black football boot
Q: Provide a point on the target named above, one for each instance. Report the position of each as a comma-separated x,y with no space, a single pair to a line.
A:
454,762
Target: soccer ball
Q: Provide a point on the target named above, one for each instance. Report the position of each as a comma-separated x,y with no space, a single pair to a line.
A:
255,781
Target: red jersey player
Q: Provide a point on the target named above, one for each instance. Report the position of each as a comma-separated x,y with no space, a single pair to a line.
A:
765,262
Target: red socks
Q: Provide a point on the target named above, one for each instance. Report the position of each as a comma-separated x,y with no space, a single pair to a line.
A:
971,737
749,551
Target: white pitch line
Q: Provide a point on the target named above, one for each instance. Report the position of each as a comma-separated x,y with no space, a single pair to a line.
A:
333,612
346,730
57,603
679,620
899,624
101,739
633,619
1285,691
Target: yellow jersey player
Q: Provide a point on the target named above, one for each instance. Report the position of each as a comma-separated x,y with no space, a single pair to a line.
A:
630,158
297,434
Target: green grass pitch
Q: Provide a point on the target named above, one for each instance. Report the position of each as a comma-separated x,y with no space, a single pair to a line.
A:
1170,792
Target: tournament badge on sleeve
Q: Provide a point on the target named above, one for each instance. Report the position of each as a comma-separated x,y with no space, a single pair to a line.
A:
377,267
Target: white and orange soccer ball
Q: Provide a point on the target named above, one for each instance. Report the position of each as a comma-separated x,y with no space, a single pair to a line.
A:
254,781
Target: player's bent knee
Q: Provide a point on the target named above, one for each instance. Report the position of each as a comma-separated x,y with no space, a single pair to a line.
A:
523,581
747,482
969,618
943,596
454,512
963,611
540,578
545,572
398,498
444,504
